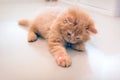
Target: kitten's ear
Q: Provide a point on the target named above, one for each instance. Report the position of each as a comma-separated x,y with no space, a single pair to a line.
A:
91,28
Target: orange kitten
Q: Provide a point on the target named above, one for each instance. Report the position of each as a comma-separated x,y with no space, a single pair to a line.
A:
72,27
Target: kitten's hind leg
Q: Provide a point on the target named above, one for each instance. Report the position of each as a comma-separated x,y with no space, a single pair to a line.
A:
32,36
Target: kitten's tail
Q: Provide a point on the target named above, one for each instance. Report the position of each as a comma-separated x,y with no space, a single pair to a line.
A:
24,22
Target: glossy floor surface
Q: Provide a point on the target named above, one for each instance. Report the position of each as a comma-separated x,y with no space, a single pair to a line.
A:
20,60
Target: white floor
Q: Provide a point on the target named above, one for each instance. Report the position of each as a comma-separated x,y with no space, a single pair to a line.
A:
20,60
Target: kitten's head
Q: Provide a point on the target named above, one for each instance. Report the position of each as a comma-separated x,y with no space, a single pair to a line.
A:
76,26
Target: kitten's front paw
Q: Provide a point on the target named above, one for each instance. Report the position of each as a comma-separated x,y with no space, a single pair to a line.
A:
63,60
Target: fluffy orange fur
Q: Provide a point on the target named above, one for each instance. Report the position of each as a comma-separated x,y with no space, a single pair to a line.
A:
59,28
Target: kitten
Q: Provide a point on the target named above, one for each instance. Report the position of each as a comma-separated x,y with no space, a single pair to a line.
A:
72,26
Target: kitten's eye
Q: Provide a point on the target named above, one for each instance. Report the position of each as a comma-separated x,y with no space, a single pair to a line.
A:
75,23
77,38
87,27
68,34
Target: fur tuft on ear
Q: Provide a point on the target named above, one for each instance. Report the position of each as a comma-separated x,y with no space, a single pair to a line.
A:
69,19
91,27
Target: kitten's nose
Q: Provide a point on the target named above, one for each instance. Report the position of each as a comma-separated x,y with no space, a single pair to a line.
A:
71,41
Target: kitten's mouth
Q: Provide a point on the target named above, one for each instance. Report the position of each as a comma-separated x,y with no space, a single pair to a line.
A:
71,42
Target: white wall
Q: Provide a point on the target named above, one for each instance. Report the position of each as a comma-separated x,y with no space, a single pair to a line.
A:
112,7
19,1
104,4
109,7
